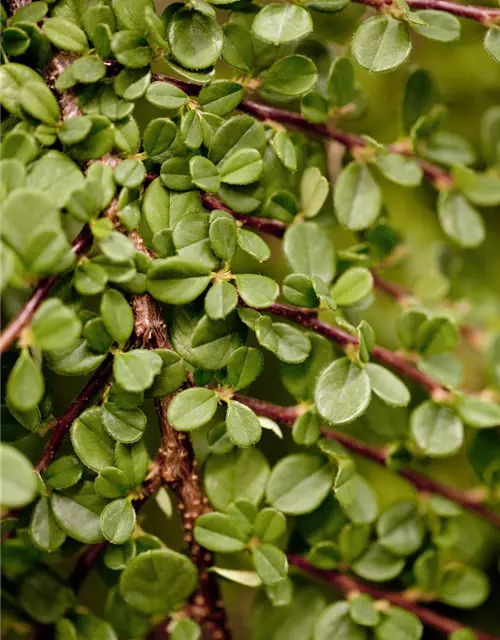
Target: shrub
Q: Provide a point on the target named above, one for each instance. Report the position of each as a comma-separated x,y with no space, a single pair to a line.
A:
261,311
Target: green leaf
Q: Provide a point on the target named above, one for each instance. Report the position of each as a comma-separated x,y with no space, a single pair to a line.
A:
186,629
117,557
482,189
44,530
33,12
131,50
460,221
136,369
65,35
133,460
90,440
55,326
243,426
437,25
387,386
19,484
242,473
220,300
220,97
381,44
118,521
15,41
13,77
44,596
437,335
239,132
64,472
56,175
357,197
25,385
111,483
285,150
253,244
78,515
223,234
352,286
155,581
269,525
299,291
132,14
313,191
171,376
204,174
117,315
75,129
400,529
195,39
437,430
324,555
192,408
238,50
363,611
205,343
130,173
397,623
341,82
124,425
357,498
306,429
165,95
299,483
244,366
77,360
404,171
492,42
257,291
377,564
287,343
177,281
270,563
220,532
463,587
335,622
242,167
38,100
342,392
478,412
353,540
292,76
282,23
310,251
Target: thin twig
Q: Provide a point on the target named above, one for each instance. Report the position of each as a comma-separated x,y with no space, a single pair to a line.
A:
349,585
79,247
309,320
469,500
484,15
96,383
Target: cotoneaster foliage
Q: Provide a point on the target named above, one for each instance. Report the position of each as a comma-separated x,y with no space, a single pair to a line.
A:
194,375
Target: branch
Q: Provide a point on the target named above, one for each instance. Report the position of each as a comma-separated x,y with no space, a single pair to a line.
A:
177,467
81,244
424,485
484,15
309,320
265,112
347,584
96,383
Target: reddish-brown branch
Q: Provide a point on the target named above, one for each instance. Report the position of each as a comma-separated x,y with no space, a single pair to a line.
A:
395,361
484,15
80,246
423,484
96,383
347,584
